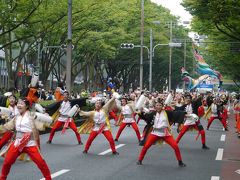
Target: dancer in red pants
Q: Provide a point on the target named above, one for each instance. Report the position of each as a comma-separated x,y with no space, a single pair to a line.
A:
64,120
101,124
216,109
128,119
14,111
192,122
25,142
161,131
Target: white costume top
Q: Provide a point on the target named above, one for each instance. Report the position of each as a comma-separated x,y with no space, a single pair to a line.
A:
64,109
24,124
99,118
128,114
160,125
189,120
214,110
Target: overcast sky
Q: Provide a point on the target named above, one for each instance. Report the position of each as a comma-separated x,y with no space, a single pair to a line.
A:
175,8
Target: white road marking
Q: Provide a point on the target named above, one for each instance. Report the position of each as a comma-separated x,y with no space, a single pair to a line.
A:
219,154
237,171
223,137
215,178
58,173
109,150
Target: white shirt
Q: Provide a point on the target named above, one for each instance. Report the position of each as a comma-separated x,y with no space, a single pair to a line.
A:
189,120
214,110
23,124
127,111
99,118
64,109
160,125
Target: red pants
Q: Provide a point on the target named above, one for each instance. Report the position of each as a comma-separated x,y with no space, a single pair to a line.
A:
5,138
185,129
108,136
223,121
153,138
134,126
34,154
112,115
59,124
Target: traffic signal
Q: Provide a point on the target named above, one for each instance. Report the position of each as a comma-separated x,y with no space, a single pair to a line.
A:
127,46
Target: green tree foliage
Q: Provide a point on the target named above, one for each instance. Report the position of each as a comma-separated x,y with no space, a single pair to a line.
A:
219,20
99,27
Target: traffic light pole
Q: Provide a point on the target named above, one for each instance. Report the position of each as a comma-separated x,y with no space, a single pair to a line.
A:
150,53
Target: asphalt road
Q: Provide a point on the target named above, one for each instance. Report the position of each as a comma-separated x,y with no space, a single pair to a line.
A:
67,162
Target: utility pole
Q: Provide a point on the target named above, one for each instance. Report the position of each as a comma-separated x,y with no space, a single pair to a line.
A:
150,60
184,61
141,50
69,48
170,59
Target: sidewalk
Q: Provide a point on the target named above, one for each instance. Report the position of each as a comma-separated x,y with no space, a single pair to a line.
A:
231,156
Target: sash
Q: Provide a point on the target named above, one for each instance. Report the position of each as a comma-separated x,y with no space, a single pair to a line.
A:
21,143
66,125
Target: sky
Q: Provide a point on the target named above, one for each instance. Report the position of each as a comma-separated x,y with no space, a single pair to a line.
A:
175,8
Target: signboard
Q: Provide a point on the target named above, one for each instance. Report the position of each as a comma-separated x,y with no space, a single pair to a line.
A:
203,88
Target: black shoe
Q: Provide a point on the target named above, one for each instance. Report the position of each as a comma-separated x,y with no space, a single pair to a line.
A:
226,129
49,142
116,140
115,153
80,143
207,128
141,143
139,162
181,164
85,152
205,147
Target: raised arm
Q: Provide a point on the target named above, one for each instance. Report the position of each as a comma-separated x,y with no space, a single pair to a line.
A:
109,105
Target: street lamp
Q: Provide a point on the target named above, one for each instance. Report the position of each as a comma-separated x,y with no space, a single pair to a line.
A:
141,45
69,48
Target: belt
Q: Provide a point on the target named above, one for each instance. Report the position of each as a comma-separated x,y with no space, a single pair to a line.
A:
19,135
127,115
64,116
161,130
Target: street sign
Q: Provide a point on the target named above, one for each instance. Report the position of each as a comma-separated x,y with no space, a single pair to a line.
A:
175,44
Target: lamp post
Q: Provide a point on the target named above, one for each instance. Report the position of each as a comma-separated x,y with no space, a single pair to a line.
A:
170,60
150,61
69,48
141,50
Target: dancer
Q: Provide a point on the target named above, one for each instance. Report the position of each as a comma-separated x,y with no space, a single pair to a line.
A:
64,120
99,122
14,111
26,140
161,131
217,113
192,122
127,111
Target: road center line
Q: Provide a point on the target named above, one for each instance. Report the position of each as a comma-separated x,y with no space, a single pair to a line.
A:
237,171
109,150
215,178
219,154
223,137
58,173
